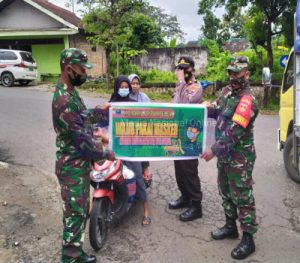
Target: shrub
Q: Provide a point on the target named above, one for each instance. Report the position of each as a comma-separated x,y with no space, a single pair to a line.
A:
217,62
156,76
102,87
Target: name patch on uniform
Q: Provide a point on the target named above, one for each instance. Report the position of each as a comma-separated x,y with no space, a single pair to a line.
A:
193,89
242,114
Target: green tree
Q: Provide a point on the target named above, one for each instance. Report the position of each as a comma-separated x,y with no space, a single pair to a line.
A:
145,32
273,22
234,24
211,26
169,24
221,30
256,34
126,26
109,24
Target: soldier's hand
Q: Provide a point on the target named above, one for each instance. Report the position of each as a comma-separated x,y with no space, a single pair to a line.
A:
180,74
207,155
105,106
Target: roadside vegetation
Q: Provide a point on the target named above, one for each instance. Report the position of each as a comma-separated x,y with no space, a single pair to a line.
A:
128,28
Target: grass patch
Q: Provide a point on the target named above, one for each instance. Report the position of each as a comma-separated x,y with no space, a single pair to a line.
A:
209,97
273,106
163,97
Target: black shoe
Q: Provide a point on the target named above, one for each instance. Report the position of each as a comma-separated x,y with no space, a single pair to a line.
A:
191,214
181,202
229,230
87,258
245,248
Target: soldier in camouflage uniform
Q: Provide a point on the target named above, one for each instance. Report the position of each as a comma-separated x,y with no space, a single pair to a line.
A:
77,148
235,110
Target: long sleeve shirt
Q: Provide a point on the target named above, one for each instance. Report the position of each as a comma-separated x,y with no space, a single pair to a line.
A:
234,133
71,121
188,93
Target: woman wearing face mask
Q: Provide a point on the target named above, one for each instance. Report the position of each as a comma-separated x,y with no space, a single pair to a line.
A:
139,96
136,94
122,90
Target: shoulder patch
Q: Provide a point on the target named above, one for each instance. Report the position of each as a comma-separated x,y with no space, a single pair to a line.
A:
193,89
242,114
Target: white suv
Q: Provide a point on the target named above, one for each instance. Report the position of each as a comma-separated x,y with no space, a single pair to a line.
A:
17,65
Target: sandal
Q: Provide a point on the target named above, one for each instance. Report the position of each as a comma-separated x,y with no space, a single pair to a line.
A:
146,221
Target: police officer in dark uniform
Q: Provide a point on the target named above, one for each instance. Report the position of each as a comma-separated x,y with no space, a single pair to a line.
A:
188,91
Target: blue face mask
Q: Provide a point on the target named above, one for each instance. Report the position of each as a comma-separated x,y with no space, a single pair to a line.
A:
191,135
123,92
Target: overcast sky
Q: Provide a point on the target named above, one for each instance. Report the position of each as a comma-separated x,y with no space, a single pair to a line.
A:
185,10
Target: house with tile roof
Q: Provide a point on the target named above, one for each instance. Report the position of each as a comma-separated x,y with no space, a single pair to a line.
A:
44,29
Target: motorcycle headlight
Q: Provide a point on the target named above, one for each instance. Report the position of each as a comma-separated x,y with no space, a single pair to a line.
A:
100,176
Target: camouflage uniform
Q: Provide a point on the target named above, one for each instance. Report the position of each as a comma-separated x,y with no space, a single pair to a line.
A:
235,150
77,147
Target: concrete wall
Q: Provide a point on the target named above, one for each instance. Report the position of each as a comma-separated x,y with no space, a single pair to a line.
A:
236,46
97,57
20,15
165,59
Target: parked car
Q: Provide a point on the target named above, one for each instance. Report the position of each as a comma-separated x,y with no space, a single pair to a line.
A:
17,65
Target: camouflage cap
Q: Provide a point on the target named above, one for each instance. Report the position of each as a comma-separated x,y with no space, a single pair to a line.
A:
237,64
75,56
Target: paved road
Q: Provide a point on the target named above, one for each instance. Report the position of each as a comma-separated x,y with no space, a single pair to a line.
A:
27,138
26,127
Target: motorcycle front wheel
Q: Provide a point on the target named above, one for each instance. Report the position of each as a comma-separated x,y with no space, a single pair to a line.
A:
99,219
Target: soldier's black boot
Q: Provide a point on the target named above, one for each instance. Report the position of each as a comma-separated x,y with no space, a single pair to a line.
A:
192,213
229,230
181,202
245,248
87,258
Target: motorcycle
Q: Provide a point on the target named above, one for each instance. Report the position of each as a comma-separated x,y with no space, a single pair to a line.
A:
114,193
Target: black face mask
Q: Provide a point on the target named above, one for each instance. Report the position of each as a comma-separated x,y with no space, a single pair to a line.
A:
237,83
77,79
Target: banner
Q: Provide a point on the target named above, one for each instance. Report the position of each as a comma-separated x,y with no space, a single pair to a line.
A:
157,131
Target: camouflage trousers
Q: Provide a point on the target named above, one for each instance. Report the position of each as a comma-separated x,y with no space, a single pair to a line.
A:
235,187
75,193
